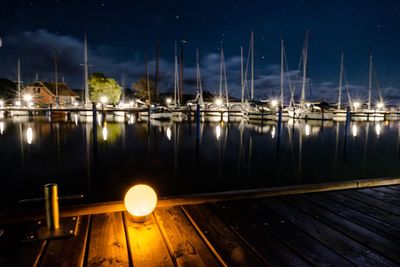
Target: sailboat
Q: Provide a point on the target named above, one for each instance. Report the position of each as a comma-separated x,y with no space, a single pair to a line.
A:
119,114
18,102
306,109
218,109
86,103
340,114
253,111
175,106
369,113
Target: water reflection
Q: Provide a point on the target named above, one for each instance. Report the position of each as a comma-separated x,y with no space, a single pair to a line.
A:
183,158
29,135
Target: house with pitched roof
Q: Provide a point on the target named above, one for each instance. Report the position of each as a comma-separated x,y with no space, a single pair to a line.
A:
44,93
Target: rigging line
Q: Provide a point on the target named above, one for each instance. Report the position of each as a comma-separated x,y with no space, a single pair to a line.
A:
378,87
347,88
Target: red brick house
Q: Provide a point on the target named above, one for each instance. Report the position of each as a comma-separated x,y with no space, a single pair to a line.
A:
44,93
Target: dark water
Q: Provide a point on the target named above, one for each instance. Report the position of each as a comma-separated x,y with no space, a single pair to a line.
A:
179,158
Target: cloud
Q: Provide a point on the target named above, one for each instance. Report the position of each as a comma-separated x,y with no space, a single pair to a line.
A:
36,51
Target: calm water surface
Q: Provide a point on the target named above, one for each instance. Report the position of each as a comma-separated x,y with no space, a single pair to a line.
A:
180,158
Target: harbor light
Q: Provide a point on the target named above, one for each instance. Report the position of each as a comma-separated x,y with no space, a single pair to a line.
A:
274,103
380,105
218,102
75,103
168,101
28,98
140,201
103,99
356,105
1,103
18,103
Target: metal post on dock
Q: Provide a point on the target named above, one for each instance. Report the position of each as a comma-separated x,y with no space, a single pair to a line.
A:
51,203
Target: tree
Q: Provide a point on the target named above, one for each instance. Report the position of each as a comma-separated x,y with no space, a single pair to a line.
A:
141,90
101,86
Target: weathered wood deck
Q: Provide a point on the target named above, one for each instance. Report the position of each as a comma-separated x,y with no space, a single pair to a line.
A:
357,227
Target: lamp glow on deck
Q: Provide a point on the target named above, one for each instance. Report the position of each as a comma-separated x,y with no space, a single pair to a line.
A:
29,135
28,98
218,102
380,105
274,103
140,201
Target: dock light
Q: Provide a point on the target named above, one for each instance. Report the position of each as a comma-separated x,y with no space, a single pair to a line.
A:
29,135
168,100
1,103
18,103
274,103
380,105
28,98
356,105
75,104
140,201
218,102
103,99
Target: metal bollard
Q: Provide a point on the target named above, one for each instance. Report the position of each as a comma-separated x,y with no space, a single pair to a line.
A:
51,201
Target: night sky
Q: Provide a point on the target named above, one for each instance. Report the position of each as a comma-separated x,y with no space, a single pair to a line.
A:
120,32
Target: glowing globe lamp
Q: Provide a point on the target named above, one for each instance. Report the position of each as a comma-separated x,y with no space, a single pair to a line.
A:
140,201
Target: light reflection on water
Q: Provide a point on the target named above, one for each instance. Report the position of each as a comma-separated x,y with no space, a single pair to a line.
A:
179,158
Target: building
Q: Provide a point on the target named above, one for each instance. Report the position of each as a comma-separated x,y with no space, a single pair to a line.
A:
44,93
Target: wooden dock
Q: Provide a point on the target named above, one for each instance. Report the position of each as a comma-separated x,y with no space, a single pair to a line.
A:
353,227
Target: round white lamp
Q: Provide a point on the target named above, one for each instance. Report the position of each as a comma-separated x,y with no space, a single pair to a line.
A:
140,201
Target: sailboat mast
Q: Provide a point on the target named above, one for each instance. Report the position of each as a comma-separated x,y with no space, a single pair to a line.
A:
56,75
220,73
198,78
282,63
370,82
176,77
181,73
146,73
340,81
86,71
305,55
241,74
252,65
225,81
19,79
156,83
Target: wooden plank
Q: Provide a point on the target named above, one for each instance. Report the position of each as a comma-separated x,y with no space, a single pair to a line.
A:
68,252
186,246
390,198
147,246
360,234
116,206
372,201
263,243
219,237
372,211
387,190
341,244
108,245
13,252
364,219
303,244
